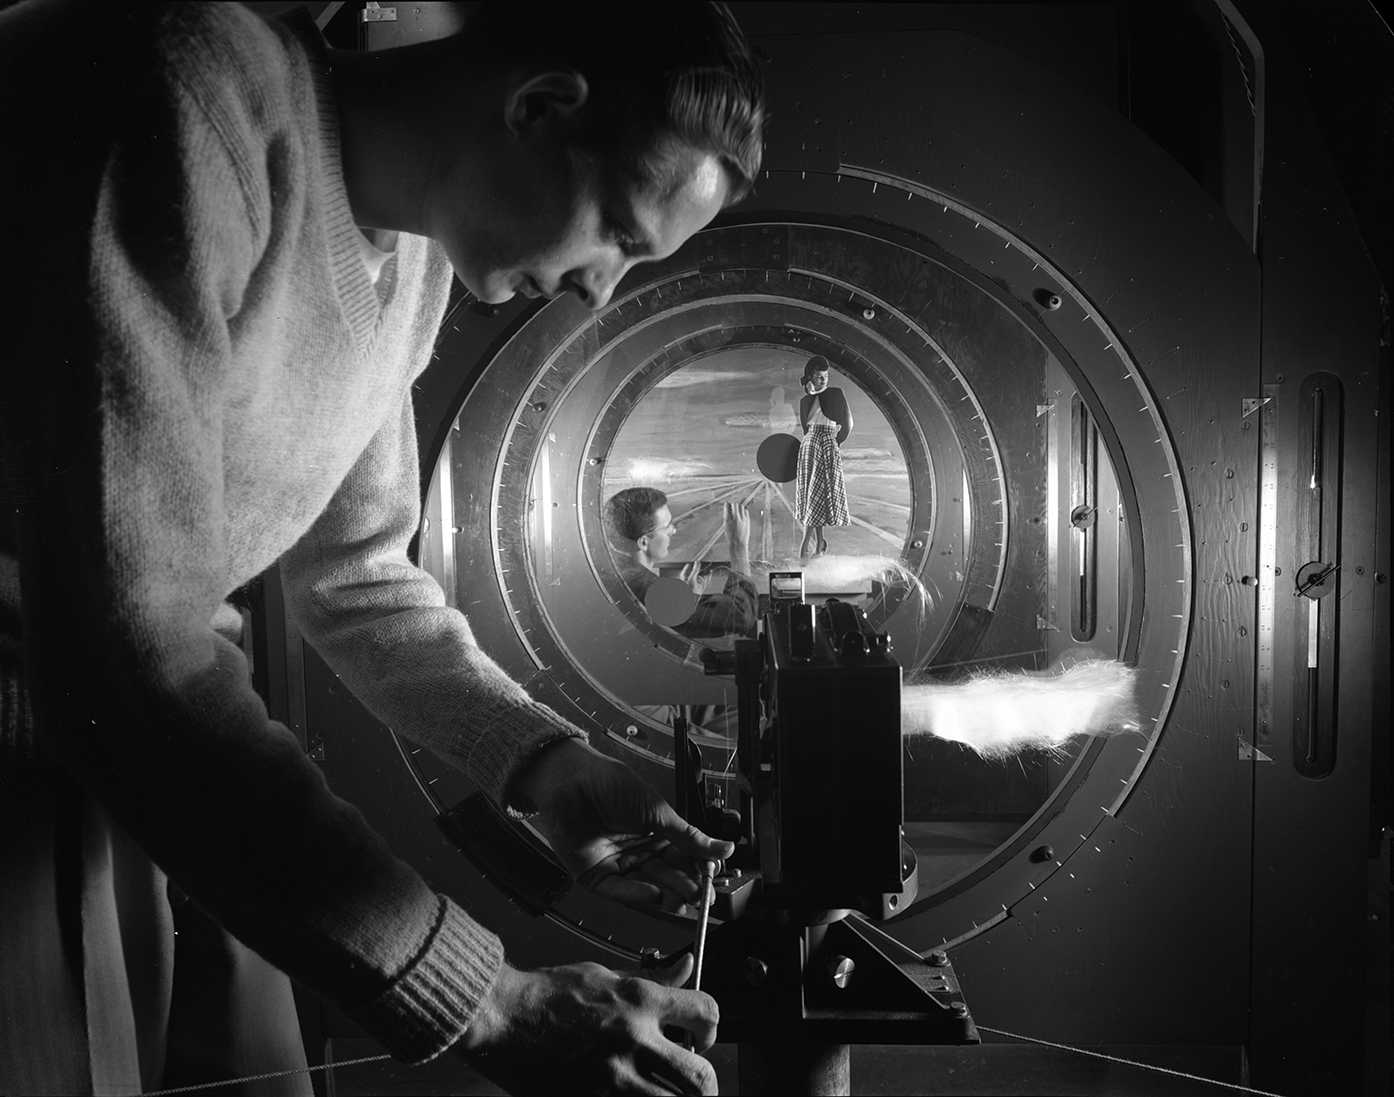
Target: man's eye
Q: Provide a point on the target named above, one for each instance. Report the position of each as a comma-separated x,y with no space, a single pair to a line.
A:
621,236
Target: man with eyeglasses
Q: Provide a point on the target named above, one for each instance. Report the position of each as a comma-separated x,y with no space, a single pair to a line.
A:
641,530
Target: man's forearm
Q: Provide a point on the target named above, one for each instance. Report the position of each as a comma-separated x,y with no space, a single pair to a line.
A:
740,558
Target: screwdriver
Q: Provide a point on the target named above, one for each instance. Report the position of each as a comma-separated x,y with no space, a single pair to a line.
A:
707,870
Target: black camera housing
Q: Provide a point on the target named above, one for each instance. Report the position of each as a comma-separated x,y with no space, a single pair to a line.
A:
820,762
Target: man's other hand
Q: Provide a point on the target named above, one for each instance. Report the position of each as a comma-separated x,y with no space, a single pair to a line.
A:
737,526
612,831
585,1029
691,574
738,537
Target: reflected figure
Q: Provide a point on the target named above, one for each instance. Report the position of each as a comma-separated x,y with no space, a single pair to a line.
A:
641,528
820,495
781,418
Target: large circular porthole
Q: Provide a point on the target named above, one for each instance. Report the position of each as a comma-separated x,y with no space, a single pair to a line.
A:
990,487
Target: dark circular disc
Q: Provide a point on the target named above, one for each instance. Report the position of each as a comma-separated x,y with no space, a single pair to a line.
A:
778,458
670,601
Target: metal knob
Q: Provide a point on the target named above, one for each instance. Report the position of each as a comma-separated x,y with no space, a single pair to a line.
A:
840,969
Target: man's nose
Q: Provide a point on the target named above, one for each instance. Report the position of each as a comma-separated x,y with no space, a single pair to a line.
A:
595,284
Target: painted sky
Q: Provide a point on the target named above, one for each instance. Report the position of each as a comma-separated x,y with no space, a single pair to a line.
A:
695,436
709,418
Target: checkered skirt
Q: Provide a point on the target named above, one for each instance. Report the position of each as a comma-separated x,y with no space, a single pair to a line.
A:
820,496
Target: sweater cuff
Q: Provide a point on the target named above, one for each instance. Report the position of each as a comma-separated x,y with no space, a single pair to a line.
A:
498,758
430,1005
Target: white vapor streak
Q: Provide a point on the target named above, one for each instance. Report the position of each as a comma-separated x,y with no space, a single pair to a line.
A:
1000,714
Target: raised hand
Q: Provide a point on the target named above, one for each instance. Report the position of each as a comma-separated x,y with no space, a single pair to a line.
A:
691,574
737,519
585,1029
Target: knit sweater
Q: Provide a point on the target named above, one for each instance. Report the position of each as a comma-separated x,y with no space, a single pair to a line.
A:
200,379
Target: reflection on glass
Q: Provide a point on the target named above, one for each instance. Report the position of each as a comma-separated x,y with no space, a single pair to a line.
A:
820,491
676,496
711,604
694,436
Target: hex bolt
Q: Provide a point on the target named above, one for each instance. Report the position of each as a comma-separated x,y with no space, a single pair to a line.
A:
960,1008
937,958
840,969
756,971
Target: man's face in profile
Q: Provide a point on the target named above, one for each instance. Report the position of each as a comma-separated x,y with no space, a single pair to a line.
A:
660,536
556,221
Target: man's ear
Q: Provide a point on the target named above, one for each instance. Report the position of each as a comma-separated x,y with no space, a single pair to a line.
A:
545,95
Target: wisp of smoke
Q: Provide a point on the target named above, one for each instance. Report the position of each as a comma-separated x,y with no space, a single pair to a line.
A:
1002,713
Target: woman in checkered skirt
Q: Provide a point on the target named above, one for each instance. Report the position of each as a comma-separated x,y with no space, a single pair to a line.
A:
820,496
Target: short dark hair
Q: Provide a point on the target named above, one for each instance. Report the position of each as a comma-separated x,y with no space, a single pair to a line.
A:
655,71
629,513
816,364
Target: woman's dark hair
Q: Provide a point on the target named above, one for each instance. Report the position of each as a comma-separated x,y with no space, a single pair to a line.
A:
816,364
629,513
655,70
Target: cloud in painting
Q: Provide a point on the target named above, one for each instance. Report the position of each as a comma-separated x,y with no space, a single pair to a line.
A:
655,471
762,420
690,376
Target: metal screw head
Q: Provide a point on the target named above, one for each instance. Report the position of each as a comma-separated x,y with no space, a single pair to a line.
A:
937,959
840,969
960,1008
756,971
868,314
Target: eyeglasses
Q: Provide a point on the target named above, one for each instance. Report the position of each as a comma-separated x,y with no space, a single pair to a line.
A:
669,528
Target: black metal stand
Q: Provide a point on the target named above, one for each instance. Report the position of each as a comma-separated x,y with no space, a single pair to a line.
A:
798,985
795,996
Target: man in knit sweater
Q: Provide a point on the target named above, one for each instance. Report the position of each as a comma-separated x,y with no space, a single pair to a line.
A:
229,252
